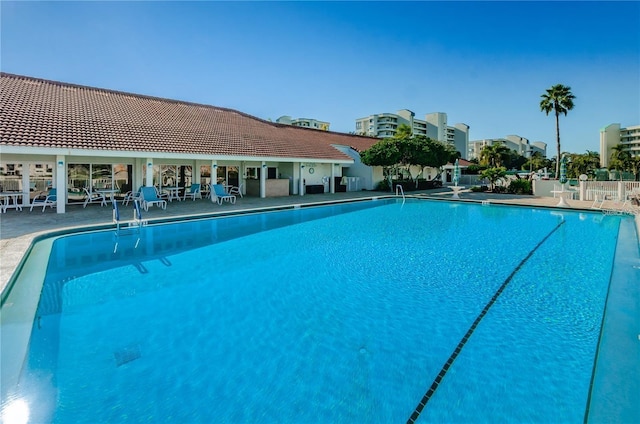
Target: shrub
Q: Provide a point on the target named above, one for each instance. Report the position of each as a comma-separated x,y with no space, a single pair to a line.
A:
520,186
383,185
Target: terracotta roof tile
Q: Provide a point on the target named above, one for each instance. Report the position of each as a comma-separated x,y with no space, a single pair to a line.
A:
36,112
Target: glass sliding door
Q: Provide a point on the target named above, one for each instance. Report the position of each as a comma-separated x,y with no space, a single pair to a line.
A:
123,178
233,176
77,179
102,176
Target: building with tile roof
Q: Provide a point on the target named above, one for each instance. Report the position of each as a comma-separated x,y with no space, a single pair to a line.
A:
66,135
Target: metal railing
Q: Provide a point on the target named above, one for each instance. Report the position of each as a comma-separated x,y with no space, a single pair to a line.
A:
400,190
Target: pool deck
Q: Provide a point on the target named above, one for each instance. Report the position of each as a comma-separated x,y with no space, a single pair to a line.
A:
19,228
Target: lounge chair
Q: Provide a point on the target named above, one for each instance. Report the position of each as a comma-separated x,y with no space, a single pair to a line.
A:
610,205
50,199
219,194
92,196
150,198
193,192
236,190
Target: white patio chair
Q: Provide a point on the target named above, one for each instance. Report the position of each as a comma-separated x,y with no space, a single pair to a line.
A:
193,192
92,196
50,199
237,190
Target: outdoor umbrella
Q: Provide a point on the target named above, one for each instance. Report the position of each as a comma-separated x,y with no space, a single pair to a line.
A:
563,181
563,170
456,173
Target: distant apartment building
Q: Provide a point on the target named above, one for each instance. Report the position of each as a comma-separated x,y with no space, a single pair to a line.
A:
612,135
433,126
304,122
520,145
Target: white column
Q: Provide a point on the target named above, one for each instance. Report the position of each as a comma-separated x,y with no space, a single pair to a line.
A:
242,177
301,180
149,172
138,169
621,193
214,178
332,183
60,170
263,180
26,187
195,174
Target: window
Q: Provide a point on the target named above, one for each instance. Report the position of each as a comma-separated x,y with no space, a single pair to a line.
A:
252,172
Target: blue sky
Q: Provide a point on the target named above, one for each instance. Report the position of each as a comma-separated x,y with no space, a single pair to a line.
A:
483,63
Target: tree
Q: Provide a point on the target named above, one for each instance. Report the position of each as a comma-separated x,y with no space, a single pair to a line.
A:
420,151
634,164
403,131
536,162
620,159
495,155
384,153
559,99
580,164
494,175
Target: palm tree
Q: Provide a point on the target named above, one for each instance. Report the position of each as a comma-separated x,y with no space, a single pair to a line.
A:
495,155
403,131
620,159
559,99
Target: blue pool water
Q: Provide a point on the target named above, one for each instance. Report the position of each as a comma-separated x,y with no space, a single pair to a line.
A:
336,314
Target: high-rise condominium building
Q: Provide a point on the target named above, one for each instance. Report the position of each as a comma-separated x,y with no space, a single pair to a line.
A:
433,126
304,122
612,135
520,145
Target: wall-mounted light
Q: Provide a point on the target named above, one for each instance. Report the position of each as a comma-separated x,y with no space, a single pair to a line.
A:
215,166
264,165
302,166
149,165
336,164
60,164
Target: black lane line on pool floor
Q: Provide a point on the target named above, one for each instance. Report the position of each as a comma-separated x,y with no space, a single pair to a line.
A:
423,402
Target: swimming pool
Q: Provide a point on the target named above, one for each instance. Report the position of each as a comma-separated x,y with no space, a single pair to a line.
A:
365,312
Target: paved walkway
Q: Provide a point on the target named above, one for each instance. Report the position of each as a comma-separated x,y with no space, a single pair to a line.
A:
17,229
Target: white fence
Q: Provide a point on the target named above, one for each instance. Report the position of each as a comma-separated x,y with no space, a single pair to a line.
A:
612,190
588,190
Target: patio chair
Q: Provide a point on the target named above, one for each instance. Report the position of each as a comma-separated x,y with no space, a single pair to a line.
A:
237,190
150,198
193,192
49,199
161,194
219,194
92,196
205,189
131,196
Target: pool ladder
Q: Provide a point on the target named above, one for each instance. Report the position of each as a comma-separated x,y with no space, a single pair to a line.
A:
400,190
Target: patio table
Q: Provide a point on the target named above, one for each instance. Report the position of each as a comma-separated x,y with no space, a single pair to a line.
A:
174,193
4,200
109,191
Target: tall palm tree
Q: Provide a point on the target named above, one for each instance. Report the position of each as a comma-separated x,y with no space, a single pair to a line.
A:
559,99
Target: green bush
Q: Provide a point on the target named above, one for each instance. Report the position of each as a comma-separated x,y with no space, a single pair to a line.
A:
383,185
520,186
